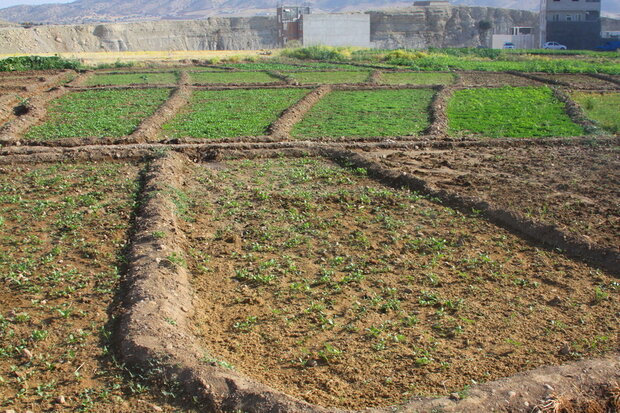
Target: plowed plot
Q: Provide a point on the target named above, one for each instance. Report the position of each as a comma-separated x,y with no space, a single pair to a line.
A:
599,107
133,78
576,188
494,79
98,113
404,78
231,113
580,81
62,231
509,112
232,77
330,77
331,287
367,113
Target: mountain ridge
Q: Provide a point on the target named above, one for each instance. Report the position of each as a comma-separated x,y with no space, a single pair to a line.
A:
86,11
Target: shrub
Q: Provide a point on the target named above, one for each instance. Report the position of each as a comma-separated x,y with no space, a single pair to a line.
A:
23,63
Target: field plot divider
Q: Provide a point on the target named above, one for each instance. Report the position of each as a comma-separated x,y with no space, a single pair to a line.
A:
154,330
282,127
606,78
375,77
150,127
438,115
547,234
574,111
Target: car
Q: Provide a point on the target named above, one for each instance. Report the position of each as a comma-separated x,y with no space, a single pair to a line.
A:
509,45
554,46
610,46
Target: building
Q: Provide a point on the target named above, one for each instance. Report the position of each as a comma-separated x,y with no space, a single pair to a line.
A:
521,37
431,3
574,23
289,23
336,29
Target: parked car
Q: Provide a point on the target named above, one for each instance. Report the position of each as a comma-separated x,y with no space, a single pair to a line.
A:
509,45
610,46
554,46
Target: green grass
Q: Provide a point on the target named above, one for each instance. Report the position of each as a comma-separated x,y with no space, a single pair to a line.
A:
367,113
416,78
23,63
331,77
232,77
98,113
132,78
602,108
263,66
509,112
230,113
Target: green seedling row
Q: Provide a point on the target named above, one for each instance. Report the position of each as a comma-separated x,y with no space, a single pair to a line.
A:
232,77
231,113
133,78
367,113
516,112
98,113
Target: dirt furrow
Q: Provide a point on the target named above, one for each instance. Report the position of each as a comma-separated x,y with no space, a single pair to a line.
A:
574,111
438,113
150,127
281,128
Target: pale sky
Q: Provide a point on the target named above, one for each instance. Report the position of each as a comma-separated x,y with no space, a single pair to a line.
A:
9,3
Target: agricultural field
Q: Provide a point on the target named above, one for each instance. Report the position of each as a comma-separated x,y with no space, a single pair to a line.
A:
63,231
97,113
343,279
133,79
597,107
230,113
509,112
410,78
330,77
232,77
367,113
433,229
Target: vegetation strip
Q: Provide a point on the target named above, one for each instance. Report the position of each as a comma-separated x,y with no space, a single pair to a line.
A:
550,235
596,106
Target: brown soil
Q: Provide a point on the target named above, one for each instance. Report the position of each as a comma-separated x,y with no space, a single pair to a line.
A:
149,129
580,81
62,233
494,79
281,128
574,187
390,308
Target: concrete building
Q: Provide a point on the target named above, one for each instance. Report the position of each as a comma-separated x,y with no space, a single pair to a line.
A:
574,23
289,23
336,29
431,3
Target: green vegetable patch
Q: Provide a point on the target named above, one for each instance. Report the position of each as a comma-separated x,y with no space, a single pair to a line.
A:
230,113
600,108
331,77
416,78
367,113
232,77
516,112
98,113
133,79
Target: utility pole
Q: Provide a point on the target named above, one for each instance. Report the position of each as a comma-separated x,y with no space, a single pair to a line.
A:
543,22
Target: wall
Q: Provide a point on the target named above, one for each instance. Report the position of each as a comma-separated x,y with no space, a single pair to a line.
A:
522,41
336,30
570,5
575,35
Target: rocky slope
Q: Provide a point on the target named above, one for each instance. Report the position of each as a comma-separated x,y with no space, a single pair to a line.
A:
416,27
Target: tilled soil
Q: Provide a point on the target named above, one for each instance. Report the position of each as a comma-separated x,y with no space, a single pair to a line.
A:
332,288
494,79
576,187
580,81
62,233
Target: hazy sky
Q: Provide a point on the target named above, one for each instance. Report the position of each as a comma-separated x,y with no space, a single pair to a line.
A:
9,3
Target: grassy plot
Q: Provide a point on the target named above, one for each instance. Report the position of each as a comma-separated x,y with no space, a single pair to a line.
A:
331,77
509,112
312,278
232,77
264,66
602,108
416,78
230,113
63,229
367,113
98,113
132,78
